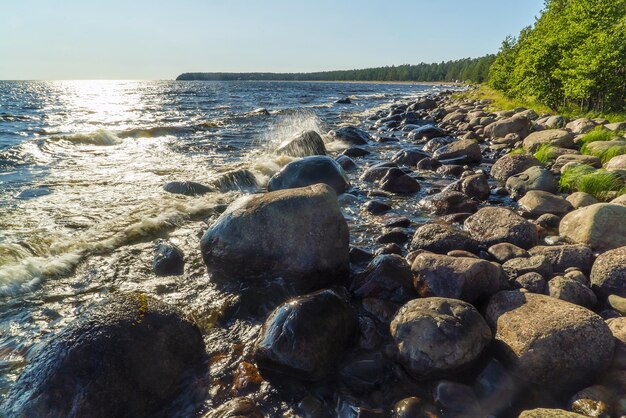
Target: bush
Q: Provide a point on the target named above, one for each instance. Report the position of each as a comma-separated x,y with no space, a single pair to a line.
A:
546,153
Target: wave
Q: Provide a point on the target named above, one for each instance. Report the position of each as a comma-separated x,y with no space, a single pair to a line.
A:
99,137
155,132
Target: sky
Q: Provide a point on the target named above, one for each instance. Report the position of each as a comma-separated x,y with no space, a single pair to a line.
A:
156,39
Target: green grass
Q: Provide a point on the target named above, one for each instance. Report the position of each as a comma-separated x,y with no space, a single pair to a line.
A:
604,155
600,134
546,153
601,184
517,151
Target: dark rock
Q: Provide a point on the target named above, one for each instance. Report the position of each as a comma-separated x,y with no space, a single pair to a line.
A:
392,248
424,103
187,188
396,221
359,255
414,408
345,100
510,165
308,171
426,132
265,236
442,239
533,282
409,157
572,291
346,163
436,143
168,260
377,172
304,337
242,180
387,277
464,151
451,170
464,278
549,221
504,251
130,355
397,181
437,336
376,207
363,373
547,342
236,408
456,397
516,267
448,202
562,257
493,225
397,235
350,135
475,186
495,388
355,152
428,164
304,144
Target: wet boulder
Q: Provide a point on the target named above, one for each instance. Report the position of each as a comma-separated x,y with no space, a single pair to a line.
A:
493,225
474,185
302,144
447,202
601,226
512,164
242,180
409,157
534,178
442,239
424,103
464,151
465,278
130,355
397,181
608,274
298,234
350,135
168,260
377,172
346,163
187,188
426,132
308,171
387,277
437,336
304,338
236,408
547,342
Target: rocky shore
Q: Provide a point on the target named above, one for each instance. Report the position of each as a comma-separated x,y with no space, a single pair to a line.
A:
456,274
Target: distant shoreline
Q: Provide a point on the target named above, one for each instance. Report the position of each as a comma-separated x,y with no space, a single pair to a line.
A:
424,83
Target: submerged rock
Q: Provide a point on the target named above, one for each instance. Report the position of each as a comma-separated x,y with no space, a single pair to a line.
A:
298,234
187,188
437,336
304,337
168,260
243,180
303,144
387,277
308,171
130,355
548,342
397,181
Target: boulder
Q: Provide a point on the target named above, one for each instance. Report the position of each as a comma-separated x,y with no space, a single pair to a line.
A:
302,144
492,225
514,125
298,234
236,408
554,137
617,163
516,267
464,151
377,172
581,126
512,164
424,103
187,188
563,257
617,126
397,181
534,178
308,171
618,328
436,336
350,135
474,185
608,274
409,157
130,355
598,147
538,202
346,163
242,180
304,337
549,413
168,260
447,202
533,282
387,277
504,251
426,132
601,226
581,199
547,342
442,239
561,160
465,278
572,291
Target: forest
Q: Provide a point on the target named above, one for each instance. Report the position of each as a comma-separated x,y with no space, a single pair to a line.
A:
473,70
573,57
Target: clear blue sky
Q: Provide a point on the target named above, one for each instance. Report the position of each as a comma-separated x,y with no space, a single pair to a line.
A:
156,39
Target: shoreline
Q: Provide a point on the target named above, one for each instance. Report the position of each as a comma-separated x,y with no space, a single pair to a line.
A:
491,236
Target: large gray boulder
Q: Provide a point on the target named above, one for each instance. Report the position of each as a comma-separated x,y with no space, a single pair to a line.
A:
581,126
464,151
534,178
437,336
304,337
514,125
512,164
555,137
465,278
129,356
538,202
548,342
608,274
492,225
562,257
600,226
298,234
303,144
308,171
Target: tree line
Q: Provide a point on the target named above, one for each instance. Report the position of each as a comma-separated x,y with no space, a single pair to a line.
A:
574,56
473,70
